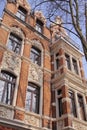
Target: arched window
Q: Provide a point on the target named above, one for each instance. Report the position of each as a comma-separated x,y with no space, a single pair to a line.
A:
32,98
7,85
35,55
15,43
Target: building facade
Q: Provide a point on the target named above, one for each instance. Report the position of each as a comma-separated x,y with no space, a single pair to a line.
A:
42,82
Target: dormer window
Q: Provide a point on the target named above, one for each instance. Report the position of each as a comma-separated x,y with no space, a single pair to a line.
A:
21,13
39,26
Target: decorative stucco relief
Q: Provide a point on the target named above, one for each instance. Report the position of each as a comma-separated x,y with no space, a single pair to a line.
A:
79,125
60,125
6,112
39,15
17,31
34,121
57,27
25,3
11,62
35,74
37,44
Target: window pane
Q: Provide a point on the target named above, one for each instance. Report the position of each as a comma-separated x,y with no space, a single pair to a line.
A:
21,13
81,107
7,84
75,66
35,56
14,43
39,26
68,61
32,98
60,106
72,103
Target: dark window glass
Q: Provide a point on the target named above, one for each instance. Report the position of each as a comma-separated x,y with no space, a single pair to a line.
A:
59,92
7,85
39,26
60,106
35,55
54,126
75,66
21,13
72,103
81,107
68,61
14,43
57,61
32,98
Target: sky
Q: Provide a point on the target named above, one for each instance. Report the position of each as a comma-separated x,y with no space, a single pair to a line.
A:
2,4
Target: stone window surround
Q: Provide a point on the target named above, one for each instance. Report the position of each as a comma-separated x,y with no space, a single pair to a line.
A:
16,86
38,45
19,33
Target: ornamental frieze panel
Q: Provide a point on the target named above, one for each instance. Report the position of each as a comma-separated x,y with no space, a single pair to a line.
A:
35,74
37,44
30,119
6,113
79,125
39,15
11,62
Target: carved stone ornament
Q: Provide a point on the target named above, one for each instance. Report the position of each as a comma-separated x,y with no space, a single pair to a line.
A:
35,74
39,15
79,125
17,31
24,3
6,113
30,119
37,44
57,27
11,62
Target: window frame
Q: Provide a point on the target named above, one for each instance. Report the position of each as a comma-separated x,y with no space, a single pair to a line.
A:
9,87
72,103
35,55
75,66
21,13
81,106
68,63
14,43
57,61
39,26
31,93
59,102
